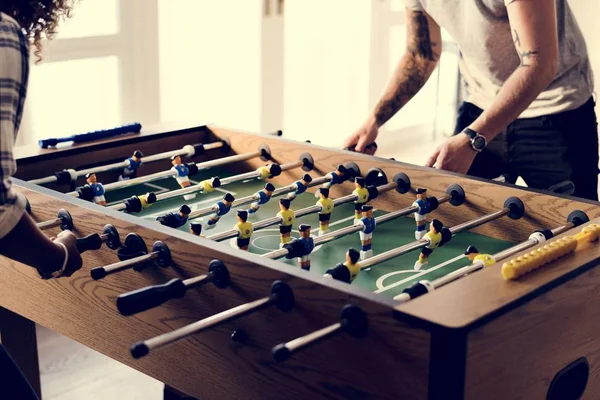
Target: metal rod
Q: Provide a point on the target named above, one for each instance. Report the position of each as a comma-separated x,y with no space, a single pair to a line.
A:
128,264
102,168
41,181
134,181
562,229
124,164
228,160
474,223
119,206
275,220
206,323
168,173
249,199
256,174
49,224
498,257
349,230
388,255
397,252
312,338
199,280
478,265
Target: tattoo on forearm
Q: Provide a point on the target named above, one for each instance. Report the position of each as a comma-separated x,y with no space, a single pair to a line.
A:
420,44
415,72
517,40
411,80
524,55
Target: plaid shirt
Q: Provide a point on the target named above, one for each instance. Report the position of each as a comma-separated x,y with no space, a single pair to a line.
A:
14,72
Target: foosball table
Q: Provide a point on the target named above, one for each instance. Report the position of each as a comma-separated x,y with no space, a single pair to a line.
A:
235,265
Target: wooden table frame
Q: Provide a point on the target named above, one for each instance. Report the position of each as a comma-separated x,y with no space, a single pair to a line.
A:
409,348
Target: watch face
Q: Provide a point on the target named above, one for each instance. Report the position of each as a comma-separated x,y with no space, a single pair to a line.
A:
479,142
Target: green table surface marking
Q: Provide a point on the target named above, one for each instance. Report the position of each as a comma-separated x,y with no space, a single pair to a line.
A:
389,278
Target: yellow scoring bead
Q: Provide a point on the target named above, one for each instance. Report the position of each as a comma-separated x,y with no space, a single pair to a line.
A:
207,186
545,255
588,234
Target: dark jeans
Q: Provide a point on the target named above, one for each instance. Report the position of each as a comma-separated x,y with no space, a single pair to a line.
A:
543,151
13,384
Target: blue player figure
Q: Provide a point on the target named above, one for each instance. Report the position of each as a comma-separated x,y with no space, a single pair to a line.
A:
262,197
366,234
133,163
302,247
181,176
308,245
97,188
424,207
223,207
300,186
175,220
338,176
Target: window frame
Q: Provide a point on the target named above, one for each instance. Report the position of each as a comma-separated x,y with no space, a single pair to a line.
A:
136,47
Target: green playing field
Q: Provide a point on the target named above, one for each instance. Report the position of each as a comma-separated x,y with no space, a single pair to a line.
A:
390,277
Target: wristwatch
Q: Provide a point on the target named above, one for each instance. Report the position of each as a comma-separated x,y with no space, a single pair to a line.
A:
478,142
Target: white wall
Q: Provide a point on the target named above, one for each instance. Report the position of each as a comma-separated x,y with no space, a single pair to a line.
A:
587,13
326,64
339,56
210,61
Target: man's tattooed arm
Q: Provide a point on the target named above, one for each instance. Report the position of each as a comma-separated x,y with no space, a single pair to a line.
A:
422,54
525,55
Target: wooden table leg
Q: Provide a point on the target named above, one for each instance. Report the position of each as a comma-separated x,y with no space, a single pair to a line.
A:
17,335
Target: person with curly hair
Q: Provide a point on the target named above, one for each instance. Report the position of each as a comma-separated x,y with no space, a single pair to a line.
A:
25,22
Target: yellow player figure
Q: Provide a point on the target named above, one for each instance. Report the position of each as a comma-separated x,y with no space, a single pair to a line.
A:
196,229
434,237
208,185
147,199
97,188
327,206
181,176
135,204
269,171
288,216
473,254
362,194
348,271
245,230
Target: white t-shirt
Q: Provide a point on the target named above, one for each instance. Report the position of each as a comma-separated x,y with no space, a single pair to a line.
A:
488,56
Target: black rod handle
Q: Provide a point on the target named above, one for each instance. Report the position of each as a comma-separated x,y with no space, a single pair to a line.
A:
151,296
89,242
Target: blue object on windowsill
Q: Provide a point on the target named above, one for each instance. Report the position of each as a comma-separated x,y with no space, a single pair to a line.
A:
90,136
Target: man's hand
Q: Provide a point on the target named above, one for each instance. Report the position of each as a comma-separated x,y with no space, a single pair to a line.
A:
363,137
70,241
455,155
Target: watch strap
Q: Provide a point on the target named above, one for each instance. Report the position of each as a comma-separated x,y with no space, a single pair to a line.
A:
470,133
